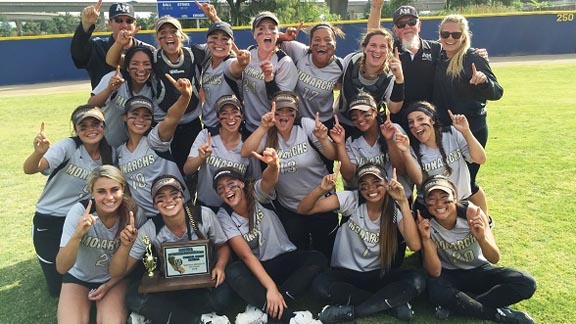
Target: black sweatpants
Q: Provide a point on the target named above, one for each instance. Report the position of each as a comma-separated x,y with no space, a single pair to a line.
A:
478,292
46,235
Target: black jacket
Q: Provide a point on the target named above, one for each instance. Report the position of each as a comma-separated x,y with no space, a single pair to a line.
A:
460,96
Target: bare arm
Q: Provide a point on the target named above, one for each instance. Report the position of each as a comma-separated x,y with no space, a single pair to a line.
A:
313,202
431,261
272,172
167,127
375,14
36,161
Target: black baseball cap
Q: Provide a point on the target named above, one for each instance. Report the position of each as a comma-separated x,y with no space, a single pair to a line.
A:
264,15
227,172
138,102
121,9
228,100
404,11
221,26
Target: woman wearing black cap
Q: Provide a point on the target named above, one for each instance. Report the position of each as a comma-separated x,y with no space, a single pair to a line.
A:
67,165
219,147
271,273
459,249
363,279
146,155
300,142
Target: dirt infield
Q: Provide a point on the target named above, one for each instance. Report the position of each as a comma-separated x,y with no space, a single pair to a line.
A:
70,86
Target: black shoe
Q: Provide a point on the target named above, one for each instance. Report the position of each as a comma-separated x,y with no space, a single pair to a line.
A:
507,315
442,313
403,312
336,313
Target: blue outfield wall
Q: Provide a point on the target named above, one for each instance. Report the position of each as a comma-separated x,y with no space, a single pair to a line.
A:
27,60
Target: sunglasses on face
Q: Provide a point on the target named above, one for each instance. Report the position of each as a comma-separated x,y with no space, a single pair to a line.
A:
410,22
129,21
446,34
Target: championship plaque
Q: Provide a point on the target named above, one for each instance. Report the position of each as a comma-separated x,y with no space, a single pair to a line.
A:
185,265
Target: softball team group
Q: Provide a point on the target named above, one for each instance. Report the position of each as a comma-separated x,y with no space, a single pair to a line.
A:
244,148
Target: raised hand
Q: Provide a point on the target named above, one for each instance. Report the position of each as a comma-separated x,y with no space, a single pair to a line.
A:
208,10
329,181
396,66
116,80
129,233
268,120
41,142
205,150
242,56
86,221
388,129
395,188
267,67
320,130
423,226
402,142
337,132
477,224
291,33
268,156
478,77
183,85
459,122
90,15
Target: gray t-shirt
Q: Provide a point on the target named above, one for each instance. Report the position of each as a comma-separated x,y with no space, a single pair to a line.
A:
357,244
301,166
457,248
457,154
315,85
143,165
256,101
215,86
70,184
115,130
221,157
268,239
96,246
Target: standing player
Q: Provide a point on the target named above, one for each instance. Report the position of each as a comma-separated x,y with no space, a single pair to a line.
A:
67,165
90,53
90,237
270,70
459,250
300,143
146,155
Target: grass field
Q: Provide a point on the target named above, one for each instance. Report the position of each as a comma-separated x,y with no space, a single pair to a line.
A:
529,180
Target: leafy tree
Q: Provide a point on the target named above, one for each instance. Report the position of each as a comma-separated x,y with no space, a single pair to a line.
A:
338,7
5,27
148,22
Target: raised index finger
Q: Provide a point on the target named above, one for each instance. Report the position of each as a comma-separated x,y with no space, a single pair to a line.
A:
394,176
396,54
270,56
209,138
317,118
450,114
299,27
117,70
474,71
171,79
42,127
273,109
131,222
336,121
235,48
97,6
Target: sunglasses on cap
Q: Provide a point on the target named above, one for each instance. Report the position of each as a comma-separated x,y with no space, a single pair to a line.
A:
410,22
118,20
446,34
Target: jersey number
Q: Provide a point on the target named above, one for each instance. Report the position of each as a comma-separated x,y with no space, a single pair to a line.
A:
103,260
138,181
309,94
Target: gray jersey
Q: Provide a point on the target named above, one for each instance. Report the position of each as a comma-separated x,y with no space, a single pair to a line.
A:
115,130
457,248
150,159
357,244
215,86
360,153
210,228
457,155
96,246
315,85
268,239
301,166
69,185
256,101
221,157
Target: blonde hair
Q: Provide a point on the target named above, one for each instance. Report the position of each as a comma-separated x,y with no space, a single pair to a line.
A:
456,64
128,205
390,41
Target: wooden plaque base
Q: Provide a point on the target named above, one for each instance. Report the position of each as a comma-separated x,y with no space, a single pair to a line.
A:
158,283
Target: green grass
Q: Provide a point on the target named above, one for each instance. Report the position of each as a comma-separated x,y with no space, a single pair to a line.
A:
529,179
